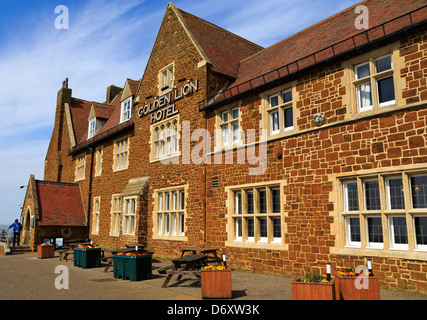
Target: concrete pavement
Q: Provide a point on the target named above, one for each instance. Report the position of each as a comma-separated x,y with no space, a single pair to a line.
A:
25,277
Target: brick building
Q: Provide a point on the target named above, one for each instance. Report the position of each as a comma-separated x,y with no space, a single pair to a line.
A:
285,158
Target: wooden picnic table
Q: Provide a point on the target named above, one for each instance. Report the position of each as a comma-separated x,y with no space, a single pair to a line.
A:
210,252
188,264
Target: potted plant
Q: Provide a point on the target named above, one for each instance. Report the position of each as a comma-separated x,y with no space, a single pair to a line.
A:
216,282
45,250
87,256
357,284
314,286
132,266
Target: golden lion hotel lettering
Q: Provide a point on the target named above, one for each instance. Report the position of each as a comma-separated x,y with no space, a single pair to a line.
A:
162,108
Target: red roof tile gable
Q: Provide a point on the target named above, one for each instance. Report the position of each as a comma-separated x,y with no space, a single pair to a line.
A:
60,204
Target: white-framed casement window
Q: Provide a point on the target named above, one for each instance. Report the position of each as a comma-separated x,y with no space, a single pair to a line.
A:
129,215
98,161
386,211
92,128
95,214
80,167
256,216
121,154
374,82
126,110
280,112
116,210
229,125
170,213
166,77
165,139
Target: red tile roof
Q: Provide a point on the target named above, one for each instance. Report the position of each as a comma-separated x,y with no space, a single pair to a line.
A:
223,49
322,35
110,112
60,204
79,115
314,43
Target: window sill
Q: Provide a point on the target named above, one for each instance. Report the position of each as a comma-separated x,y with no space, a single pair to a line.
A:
256,245
121,169
170,238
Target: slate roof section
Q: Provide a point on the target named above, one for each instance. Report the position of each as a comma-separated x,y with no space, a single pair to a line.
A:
223,49
60,204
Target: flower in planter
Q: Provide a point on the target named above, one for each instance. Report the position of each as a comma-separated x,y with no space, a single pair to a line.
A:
46,244
314,277
87,246
214,268
352,272
131,254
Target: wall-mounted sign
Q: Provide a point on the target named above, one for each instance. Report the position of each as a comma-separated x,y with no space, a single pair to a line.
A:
164,106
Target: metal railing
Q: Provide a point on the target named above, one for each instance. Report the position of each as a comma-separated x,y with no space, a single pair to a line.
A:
6,236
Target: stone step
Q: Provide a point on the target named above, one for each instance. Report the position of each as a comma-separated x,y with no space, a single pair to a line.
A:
19,249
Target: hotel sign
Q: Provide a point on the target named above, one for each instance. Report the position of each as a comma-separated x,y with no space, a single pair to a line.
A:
164,106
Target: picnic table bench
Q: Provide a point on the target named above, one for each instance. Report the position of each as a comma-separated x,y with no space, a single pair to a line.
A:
211,253
186,264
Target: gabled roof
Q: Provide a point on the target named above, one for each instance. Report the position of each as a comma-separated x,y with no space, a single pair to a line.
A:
322,41
102,111
109,112
79,110
322,35
220,48
60,204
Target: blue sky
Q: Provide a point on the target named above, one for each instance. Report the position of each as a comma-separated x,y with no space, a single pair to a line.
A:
107,41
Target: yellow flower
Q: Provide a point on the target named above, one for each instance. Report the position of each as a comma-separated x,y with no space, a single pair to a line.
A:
324,281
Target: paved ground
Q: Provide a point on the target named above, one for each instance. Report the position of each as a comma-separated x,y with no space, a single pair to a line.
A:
24,277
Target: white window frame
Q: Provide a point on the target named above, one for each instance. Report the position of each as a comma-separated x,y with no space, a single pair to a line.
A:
80,167
129,215
393,244
418,247
239,216
369,244
349,242
372,79
126,109
166,78
92,128
170,213
280,111
121,154
165,140
95,214
228,122
116,212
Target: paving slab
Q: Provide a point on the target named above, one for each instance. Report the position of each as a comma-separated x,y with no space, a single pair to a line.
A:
25,277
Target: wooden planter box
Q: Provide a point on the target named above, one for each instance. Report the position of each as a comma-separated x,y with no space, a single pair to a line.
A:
345,288
44,252
216,284
313,290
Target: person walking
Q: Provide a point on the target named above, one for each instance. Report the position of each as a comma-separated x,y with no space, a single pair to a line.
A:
17,227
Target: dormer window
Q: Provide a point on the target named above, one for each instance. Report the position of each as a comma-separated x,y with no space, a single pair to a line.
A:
92,128
126,111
